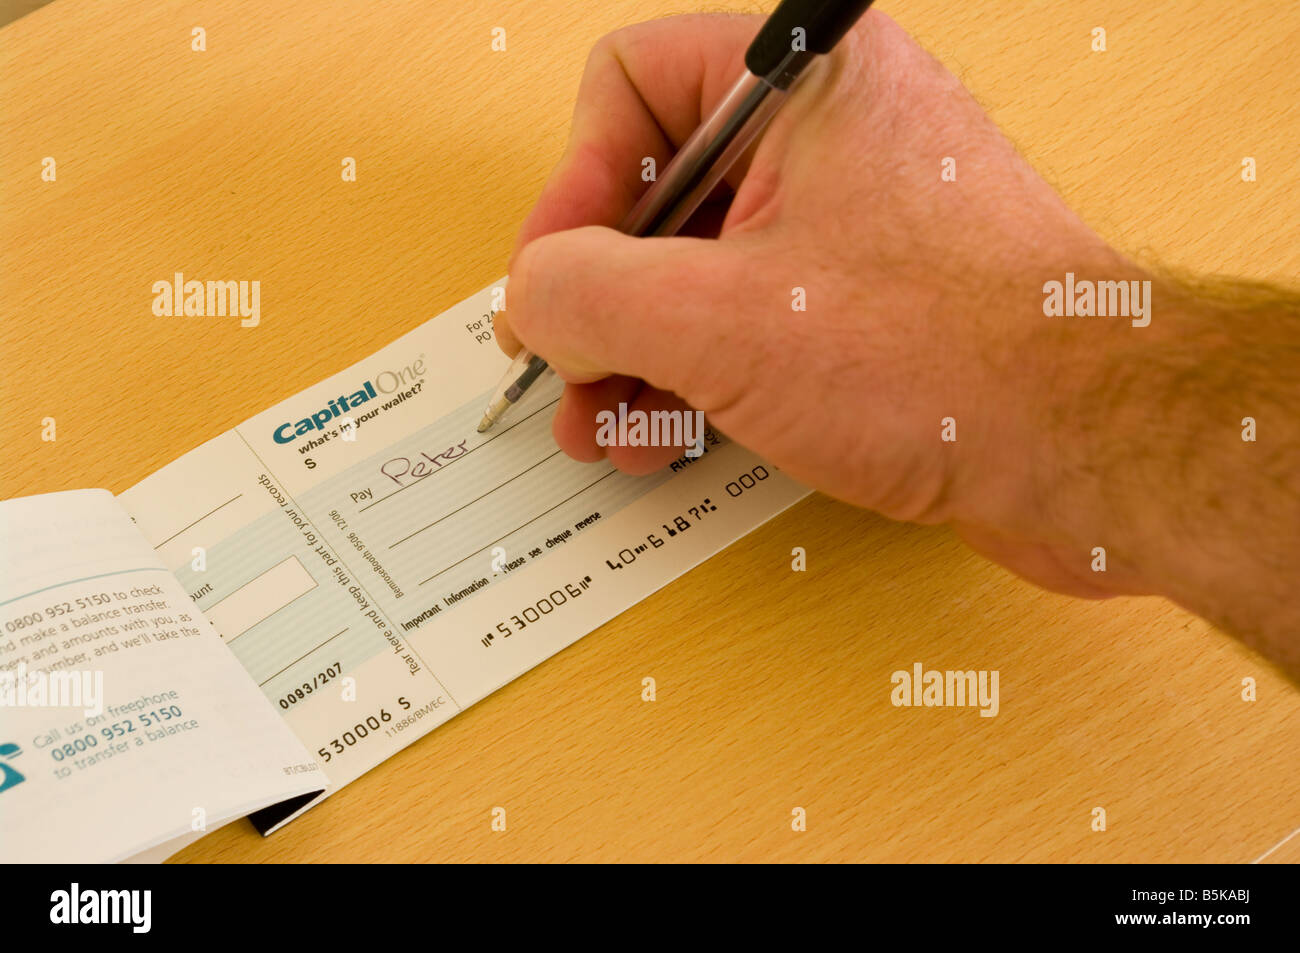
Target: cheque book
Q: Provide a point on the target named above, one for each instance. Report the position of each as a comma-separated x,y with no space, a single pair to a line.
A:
278,611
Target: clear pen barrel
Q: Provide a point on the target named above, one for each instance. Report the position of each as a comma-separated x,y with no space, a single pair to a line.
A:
705,157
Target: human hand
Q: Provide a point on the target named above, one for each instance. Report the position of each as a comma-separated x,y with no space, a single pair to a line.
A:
924,305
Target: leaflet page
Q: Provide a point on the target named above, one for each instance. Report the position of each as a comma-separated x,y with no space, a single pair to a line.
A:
378,566
124,722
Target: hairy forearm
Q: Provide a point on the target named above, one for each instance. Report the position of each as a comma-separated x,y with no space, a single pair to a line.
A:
1187,458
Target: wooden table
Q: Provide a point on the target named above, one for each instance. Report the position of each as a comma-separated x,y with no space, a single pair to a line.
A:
773,686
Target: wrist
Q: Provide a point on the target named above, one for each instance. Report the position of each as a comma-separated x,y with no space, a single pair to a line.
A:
1066,480
1149,462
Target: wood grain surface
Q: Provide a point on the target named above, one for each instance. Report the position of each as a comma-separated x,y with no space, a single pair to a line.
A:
773,685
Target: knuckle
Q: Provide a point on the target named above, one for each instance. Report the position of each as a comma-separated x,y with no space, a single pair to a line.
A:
609,47
527,291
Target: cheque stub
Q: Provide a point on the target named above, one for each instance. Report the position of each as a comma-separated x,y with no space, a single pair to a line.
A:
376,565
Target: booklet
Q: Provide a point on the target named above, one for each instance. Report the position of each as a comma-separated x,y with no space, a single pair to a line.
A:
278,611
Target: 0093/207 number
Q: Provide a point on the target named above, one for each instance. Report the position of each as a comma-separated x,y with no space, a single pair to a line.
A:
300,693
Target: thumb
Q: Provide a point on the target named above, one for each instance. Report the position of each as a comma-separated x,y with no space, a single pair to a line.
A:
595,302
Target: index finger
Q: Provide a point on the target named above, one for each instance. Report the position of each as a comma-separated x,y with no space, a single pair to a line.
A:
643,92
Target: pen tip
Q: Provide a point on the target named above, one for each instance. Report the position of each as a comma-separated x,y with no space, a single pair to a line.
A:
485,424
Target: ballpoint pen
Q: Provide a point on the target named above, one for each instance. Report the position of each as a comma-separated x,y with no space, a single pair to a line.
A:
789,41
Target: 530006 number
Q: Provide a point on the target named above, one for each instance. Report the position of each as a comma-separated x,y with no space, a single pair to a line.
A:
359,732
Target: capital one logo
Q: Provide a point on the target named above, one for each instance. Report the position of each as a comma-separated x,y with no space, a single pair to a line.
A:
9,776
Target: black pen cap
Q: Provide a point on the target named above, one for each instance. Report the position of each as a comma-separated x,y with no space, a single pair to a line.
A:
811,26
